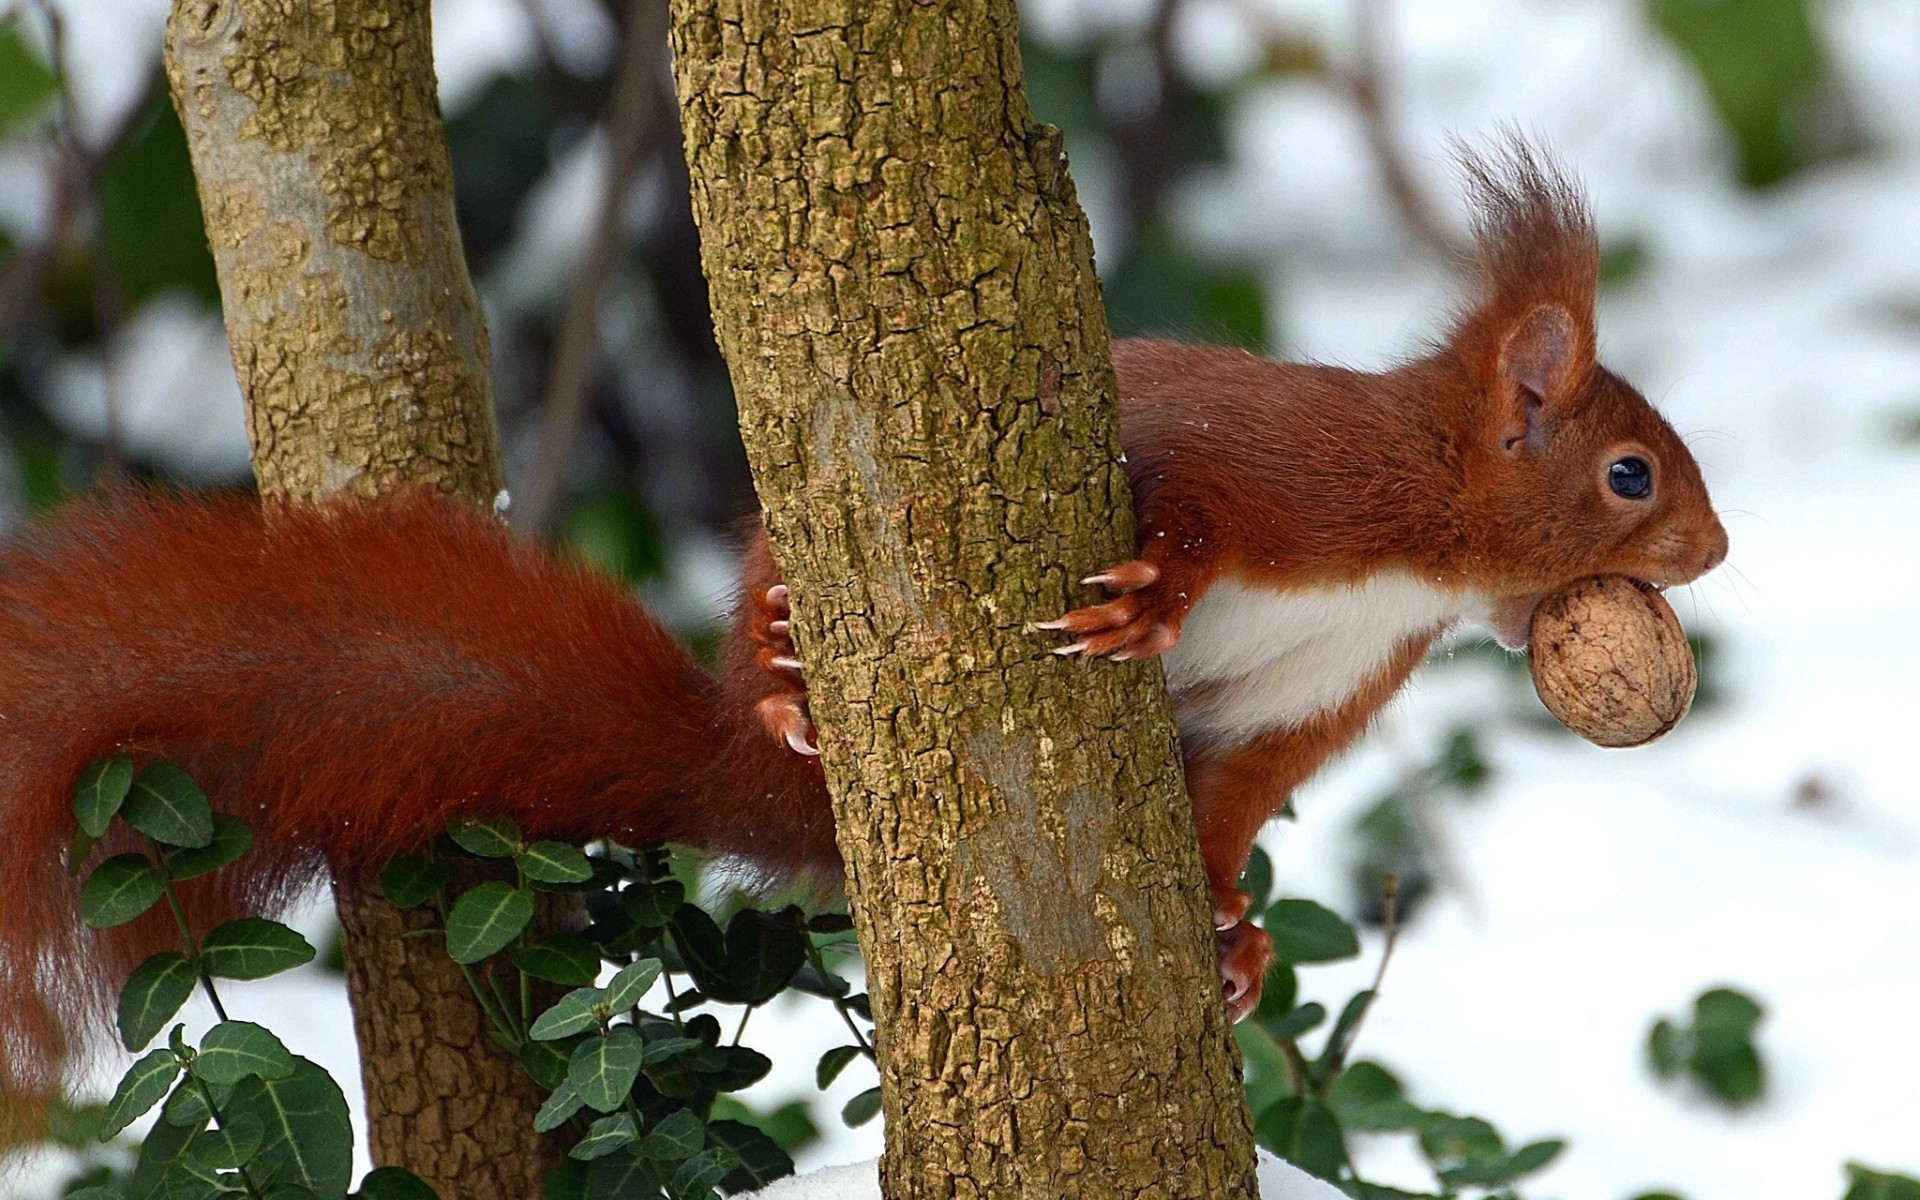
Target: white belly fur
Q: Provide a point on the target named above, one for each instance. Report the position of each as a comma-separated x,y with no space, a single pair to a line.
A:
1252,659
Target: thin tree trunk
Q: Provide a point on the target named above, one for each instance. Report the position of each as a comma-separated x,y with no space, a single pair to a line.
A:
903,286
323,172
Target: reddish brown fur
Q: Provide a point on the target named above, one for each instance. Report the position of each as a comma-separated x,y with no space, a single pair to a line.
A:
345,679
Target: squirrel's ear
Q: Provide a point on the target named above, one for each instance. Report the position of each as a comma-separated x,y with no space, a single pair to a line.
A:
1536,366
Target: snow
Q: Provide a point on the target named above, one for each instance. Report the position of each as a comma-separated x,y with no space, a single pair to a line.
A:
1602,888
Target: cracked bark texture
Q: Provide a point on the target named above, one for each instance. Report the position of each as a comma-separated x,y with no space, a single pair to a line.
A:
323,173
902,282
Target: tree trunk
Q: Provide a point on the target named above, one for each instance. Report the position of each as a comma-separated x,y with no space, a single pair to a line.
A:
323,172
902,283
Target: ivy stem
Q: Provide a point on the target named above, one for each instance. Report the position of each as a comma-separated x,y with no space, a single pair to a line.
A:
186,930
206,1094
819,964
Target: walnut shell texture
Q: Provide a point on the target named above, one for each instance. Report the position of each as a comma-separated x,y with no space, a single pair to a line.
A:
1610,661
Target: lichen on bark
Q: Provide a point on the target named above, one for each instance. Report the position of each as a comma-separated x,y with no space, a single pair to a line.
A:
902,284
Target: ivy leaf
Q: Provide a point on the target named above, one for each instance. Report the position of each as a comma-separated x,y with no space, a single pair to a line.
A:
759,1160
575,1012
153,994
493,838
232,1145
78,849
630,985
566,1180
698,1175
832,1063
169,807
620,1174
861,1108
1306,1134
605,1136
146,1082
253,948
558,1109
309,1140
603,1068
485,920
764,951
678,1136
412,879
231,839
98,793
1865,1183
555,862
1302,1020
233,1050
546,1062
563,958
119,890
394,1183
1305,932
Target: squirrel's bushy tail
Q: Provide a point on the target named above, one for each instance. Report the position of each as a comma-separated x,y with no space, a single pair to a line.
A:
345,678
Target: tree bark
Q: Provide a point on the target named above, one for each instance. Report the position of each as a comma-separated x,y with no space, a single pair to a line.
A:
323,173
902,283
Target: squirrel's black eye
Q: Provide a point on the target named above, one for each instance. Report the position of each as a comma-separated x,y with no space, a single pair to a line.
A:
1630,478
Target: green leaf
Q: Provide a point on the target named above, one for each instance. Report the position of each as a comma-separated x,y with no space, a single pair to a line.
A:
496,837
394,1183
26,84
1333,1056
231,839
563,958
627,988
546,1062
150,211
1257,879
164,1143
1301,1020
1304,932
233,1144
1666,1049
575,1012
1724,1012
1865,1183
558,1109
565,1180
413,879
189,1179
102,787
759,1160
862,1108
485,920
698,1175
1367,1097
605,1136
555,862
119,890
253,948
832,1063
621,1175
233,1050
153,994
187,1107
1450,1142
1496,1171
661,1049
677,1137
703,950
146,1082
764,950
309,1141
730,1068
652,903
1763,68
603,1068
78,849
1306,1134
168,806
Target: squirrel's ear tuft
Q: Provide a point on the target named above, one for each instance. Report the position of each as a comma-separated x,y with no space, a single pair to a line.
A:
1539,265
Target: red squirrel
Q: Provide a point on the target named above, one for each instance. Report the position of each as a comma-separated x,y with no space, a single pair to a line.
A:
348,677
1306,533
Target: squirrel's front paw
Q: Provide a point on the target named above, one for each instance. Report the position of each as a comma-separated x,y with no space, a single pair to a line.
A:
1140,624
783,712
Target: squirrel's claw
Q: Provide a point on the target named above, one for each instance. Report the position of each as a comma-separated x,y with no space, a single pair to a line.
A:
1244,951
1130,626
783,713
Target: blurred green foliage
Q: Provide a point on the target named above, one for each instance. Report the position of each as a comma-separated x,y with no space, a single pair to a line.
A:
27,85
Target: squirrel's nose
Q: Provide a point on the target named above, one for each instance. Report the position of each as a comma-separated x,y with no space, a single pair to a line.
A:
1716,548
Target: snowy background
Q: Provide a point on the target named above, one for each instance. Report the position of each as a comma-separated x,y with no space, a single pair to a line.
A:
1772,843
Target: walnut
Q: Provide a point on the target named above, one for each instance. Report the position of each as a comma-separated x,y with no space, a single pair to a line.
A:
1610,660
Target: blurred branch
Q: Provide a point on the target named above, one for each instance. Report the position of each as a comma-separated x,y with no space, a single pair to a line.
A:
639,114
1367,84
